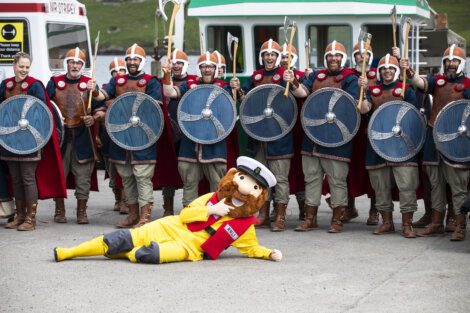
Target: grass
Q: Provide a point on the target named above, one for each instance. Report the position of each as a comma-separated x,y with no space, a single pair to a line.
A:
136,23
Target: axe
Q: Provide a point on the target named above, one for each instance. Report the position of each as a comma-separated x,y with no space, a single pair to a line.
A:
289,24
307,53
232,39
176,7
393,16
87,110
201,43
368,38
405,26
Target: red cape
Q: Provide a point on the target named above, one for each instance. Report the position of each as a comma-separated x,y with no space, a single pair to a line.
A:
166,170
50,172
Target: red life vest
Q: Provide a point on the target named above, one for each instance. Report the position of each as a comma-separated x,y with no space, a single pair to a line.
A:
225,235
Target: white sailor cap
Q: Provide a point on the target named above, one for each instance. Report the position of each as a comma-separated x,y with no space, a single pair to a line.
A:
256,170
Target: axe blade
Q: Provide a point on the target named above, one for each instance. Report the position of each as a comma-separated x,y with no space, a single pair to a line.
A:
393,13
230,40
404,22
287,23
161,8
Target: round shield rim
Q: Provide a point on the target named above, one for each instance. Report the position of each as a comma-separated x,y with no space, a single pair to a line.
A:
423,132
319,142
49,132
189,135
157,134
282,135
434,131
62,135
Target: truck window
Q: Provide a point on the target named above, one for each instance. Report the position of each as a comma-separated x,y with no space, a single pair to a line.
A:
217,40
321,35
63,37
14,37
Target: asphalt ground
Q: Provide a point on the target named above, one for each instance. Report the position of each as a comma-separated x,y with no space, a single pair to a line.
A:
354,271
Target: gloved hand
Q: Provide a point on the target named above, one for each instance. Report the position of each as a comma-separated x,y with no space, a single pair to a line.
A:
276,255
220,208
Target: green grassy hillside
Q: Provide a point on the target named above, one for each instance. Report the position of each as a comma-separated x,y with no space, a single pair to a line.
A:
123,24
136,23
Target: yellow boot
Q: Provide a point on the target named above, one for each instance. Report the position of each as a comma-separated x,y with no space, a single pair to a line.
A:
93,247
156,253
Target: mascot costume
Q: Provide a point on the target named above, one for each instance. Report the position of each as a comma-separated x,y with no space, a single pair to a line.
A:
205,228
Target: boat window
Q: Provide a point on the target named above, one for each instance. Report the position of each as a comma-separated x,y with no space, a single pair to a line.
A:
63,37
266,32
217,40
14,37
321,35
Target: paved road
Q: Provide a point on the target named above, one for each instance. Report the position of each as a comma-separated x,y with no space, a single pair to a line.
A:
354,271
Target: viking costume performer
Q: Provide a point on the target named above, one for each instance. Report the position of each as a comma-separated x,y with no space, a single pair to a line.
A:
179,75
196,160
137,167
206,227
38,175
447,86
296,176
318,160
221,65
358,181
277,154
384,173
70,92
117,67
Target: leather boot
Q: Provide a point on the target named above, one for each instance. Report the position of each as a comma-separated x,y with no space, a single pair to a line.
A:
280,222
145,215
263,216
132,218
350,211
20,215
81,212
273,213
168,206
117,198
387,226
436,226
425,220
460,229
336,225
310,222
301,210
373,213
451,222
407,225
59,215
123,207
30,220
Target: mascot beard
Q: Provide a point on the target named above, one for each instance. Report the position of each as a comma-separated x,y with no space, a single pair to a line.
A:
244,205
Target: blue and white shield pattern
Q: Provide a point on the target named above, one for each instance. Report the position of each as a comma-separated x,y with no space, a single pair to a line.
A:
266,114
397,131
26,124
206,114
329,117
134,121
452,131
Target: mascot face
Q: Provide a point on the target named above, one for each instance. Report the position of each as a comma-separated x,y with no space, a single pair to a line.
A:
242,192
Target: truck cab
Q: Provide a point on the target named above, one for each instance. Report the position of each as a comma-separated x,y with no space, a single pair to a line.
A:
46,30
